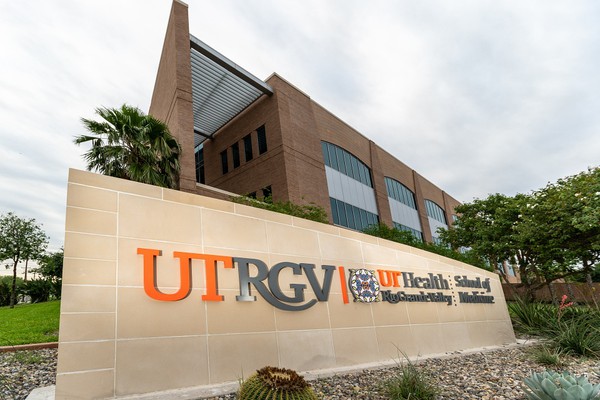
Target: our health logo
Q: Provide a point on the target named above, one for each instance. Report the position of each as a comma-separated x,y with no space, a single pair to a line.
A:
364,285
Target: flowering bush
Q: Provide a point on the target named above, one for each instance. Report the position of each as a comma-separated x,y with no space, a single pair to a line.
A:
563,305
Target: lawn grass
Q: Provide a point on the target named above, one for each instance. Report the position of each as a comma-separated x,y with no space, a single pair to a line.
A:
29,323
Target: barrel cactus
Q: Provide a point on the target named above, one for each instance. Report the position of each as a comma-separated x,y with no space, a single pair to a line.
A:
550,385
274,384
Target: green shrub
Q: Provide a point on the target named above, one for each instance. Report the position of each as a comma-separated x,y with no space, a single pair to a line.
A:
309,211
410,383
5,289
56,291
38,290
550,385
572,330
271,383
546,355
396,235
578,335
533,318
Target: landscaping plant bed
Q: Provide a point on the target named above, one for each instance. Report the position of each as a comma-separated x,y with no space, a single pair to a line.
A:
496,374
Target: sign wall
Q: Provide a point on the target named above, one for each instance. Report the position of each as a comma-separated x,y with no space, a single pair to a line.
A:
166,290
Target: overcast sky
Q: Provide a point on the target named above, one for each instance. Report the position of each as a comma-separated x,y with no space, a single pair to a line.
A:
478,96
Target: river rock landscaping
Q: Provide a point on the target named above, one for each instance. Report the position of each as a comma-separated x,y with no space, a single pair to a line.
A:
484,375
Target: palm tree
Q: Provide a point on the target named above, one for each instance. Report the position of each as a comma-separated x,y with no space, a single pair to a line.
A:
131,145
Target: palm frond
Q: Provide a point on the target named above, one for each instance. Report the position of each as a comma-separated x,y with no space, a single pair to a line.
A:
130,144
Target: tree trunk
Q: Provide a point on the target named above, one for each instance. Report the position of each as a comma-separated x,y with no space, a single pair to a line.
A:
590,284
587,267
13,291
571,294
552,293
503,276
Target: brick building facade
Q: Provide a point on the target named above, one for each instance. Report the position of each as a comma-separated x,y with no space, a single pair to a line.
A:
282,143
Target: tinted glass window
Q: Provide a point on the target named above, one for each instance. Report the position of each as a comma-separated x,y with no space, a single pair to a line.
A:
332,157
248,148
199,165
262,139
341,160
224,166
235,149
352,217
436,212
325,153
399,192
267,192
334,211
342,213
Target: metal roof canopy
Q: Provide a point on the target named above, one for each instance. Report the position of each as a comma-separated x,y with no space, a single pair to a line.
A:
221,89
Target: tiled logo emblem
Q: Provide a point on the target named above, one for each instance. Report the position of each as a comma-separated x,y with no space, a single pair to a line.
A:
364,285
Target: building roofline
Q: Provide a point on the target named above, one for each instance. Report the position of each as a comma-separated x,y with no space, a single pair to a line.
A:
229,65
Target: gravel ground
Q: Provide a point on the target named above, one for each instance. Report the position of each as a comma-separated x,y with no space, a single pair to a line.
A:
22,371
480,376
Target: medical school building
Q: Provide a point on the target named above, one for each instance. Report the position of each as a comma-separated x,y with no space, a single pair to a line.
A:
268,138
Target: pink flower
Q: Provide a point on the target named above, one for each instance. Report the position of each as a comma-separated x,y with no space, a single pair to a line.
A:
563,305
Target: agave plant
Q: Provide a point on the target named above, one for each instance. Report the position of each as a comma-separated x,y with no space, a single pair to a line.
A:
551,385
276,384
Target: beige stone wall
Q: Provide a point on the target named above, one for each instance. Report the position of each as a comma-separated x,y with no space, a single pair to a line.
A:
115,340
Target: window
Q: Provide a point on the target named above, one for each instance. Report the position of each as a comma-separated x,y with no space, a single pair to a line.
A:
267,192
248,147
340,160
199,155
436,212
224,166
325,153
262,139
346,163
509,269
437,240
417,234
235,149
352,204
334,211
252,195
352,217
399,192
403,207
332,157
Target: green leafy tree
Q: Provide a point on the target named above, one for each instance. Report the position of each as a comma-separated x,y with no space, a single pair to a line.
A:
584,219
569,213
487,228
20,239
131,145
51,265
51,269
495,229
550,234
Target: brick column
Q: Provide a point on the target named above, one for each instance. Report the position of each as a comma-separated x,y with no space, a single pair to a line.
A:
172,96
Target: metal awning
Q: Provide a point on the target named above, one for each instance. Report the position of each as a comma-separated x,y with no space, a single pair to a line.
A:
221,89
